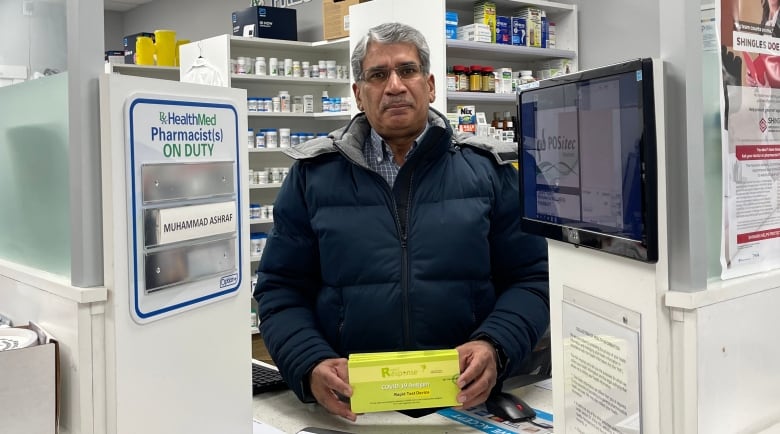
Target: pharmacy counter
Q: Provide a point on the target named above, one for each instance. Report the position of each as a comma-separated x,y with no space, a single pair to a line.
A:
283,411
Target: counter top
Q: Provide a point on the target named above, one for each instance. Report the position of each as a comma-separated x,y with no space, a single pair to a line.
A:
283,410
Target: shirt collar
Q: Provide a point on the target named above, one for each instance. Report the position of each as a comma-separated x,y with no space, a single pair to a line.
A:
377,143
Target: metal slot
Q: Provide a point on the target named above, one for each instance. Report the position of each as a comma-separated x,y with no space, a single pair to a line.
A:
176,266
169,182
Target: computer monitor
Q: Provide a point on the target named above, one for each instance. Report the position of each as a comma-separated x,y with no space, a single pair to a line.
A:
588,159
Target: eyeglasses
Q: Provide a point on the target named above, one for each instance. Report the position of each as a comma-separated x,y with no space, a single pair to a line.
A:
407,71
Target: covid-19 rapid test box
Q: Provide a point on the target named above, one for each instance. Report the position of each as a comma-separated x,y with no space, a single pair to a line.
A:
403,380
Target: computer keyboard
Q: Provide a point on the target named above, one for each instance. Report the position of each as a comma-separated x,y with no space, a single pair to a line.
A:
265,379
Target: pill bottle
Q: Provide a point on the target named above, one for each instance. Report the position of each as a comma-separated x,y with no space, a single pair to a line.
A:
260,66
488,79
273,66
284,137
260,139
461,78
284,101
276,104
526,76
271,140
261,177
288,68
325,102
251,137
305,69
451,80
296,68
254,210
475,78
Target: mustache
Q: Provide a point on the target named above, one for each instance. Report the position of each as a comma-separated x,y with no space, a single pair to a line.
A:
395,102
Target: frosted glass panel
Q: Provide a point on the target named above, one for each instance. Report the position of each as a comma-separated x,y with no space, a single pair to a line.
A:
34,186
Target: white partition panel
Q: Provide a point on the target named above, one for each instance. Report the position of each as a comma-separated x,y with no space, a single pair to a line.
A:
188,372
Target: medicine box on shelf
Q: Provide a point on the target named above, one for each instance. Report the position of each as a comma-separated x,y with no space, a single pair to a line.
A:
266,22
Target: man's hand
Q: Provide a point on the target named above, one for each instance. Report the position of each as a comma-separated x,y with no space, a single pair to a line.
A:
328,380
478,372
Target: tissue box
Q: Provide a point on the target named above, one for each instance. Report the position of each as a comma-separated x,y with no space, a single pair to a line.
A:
28,390
403,380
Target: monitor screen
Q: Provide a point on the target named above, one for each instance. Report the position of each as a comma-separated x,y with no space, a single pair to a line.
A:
588,159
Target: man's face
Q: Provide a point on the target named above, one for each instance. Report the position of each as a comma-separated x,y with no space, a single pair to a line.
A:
395,107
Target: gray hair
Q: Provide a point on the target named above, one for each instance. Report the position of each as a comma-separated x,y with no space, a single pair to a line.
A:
391,33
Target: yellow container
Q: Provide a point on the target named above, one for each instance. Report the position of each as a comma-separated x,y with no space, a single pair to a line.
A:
165,47
179,43
144,51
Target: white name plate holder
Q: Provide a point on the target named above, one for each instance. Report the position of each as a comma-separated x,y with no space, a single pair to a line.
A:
183,187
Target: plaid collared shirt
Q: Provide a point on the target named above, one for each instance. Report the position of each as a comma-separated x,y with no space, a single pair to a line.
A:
379,156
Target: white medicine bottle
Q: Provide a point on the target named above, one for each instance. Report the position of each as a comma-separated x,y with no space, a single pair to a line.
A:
260,66
325,101
526,76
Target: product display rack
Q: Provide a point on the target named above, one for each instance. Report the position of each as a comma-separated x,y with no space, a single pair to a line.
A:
460,52
429,18
267,86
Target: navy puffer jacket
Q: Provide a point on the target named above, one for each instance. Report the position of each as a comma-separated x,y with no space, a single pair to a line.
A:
353,265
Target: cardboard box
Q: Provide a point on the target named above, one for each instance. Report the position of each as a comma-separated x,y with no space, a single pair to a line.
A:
266,22
403,380
29,388
335,18
129,44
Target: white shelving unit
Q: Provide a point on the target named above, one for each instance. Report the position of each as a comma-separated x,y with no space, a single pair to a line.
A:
221,49
428,17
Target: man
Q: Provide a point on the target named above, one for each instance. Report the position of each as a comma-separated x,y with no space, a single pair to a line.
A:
394,234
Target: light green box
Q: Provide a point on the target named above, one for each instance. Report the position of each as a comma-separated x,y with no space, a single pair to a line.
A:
403,380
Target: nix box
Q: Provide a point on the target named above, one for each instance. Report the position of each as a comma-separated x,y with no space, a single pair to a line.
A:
266,22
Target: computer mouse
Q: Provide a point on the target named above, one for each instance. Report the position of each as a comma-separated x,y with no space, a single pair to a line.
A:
509,407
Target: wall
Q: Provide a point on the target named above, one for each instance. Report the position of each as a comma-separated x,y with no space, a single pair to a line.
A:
200,19
36,40
614,30
114,30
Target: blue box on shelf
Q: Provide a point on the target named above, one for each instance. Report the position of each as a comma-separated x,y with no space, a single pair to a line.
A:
451,25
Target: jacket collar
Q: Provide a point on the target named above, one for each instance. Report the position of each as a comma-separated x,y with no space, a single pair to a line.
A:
349,140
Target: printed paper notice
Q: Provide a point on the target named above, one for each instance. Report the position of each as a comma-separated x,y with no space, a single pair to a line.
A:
750,55
601,373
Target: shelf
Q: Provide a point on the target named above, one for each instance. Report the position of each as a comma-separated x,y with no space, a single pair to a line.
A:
254,258
267,150
338,45
152,71
260,221
336,116
501,52
510,6
277,79
264,186
508,98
